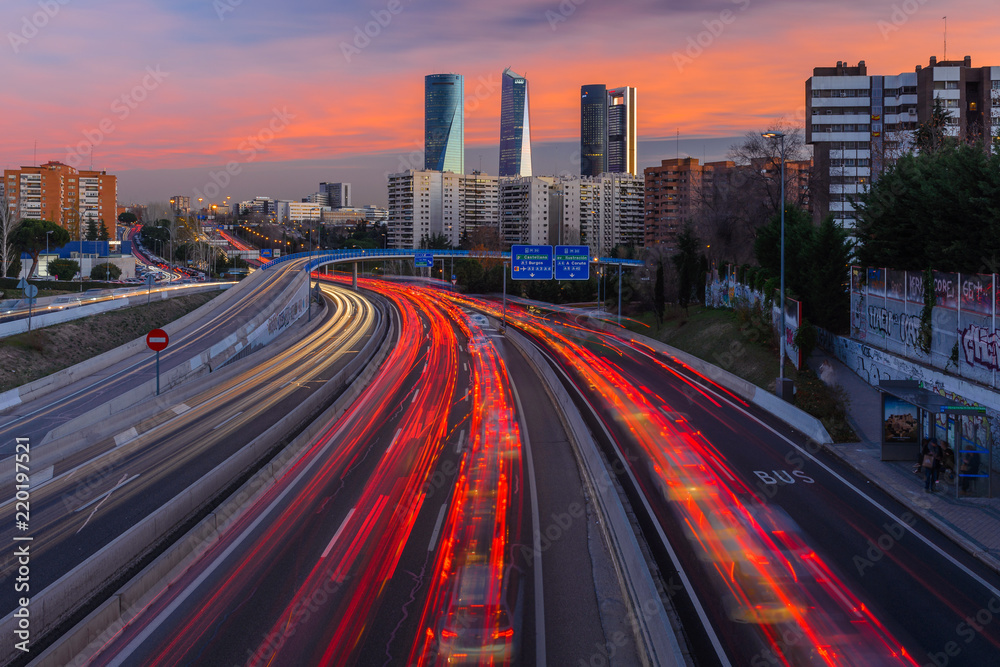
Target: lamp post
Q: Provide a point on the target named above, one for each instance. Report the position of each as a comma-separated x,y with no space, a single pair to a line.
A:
47,249
781,389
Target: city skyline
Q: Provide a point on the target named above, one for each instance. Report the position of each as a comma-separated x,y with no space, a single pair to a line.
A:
188,88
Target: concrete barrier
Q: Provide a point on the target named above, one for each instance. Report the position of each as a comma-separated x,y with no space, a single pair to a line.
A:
46,318
74,590
50,383
94,427
655,638
264,327
783,410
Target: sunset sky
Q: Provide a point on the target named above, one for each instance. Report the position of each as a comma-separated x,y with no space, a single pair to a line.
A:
169,91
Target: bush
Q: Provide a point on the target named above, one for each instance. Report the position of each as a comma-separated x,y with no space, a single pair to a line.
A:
107,271
63,269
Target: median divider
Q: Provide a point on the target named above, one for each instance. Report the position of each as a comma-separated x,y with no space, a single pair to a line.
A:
654,635
74,590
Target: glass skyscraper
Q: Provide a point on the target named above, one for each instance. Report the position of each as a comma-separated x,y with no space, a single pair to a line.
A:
593,130
622,131
444,123
515,127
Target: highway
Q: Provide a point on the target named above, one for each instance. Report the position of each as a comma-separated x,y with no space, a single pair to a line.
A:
240,304
409,531
788,555
114,483
404,535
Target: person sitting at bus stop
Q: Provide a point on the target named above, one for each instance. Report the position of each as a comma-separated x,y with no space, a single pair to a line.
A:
969,467
931,463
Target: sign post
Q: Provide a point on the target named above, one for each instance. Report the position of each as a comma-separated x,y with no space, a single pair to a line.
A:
157,340
423,260
150,279
30,291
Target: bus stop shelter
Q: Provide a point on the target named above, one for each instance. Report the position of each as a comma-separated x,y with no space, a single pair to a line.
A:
909,414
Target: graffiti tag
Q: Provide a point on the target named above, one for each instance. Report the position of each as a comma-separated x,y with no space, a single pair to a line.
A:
981,346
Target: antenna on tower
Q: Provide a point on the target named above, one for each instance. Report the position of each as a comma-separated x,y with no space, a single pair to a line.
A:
945,37
678,143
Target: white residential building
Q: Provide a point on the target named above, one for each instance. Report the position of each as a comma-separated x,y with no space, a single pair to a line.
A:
529,205
426,203
858,124
297,211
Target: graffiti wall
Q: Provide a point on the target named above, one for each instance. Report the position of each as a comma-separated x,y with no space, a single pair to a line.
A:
887,309
875,365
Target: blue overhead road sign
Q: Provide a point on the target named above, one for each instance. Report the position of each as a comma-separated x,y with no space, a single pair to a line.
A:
531,262
572,262
423,259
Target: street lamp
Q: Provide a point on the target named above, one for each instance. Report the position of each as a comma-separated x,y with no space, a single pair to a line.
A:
47,247
782,391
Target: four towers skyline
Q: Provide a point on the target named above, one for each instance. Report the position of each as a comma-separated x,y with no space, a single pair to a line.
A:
608,127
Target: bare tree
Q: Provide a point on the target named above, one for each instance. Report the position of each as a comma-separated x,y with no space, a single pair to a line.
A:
761,158
10,220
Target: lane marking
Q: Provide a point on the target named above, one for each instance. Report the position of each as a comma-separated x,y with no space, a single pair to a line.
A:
437,528
393,443
336,535
181,408
126,436
228,420
461,442
124,480
415,394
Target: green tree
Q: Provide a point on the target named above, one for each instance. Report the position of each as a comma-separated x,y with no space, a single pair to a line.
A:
102,234
937,209
688,263
817,262
659,299
92,231
828,287
127,218
64,269
106,271
929,136
31,237
435,242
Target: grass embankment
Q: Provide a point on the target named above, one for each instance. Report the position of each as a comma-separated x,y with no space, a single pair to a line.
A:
747,348
33,355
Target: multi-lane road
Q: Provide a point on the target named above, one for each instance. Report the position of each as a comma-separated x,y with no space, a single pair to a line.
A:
443,517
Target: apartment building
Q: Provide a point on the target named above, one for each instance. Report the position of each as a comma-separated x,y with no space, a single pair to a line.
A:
62,194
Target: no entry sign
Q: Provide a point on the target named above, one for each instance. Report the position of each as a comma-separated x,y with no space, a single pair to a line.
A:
157,340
